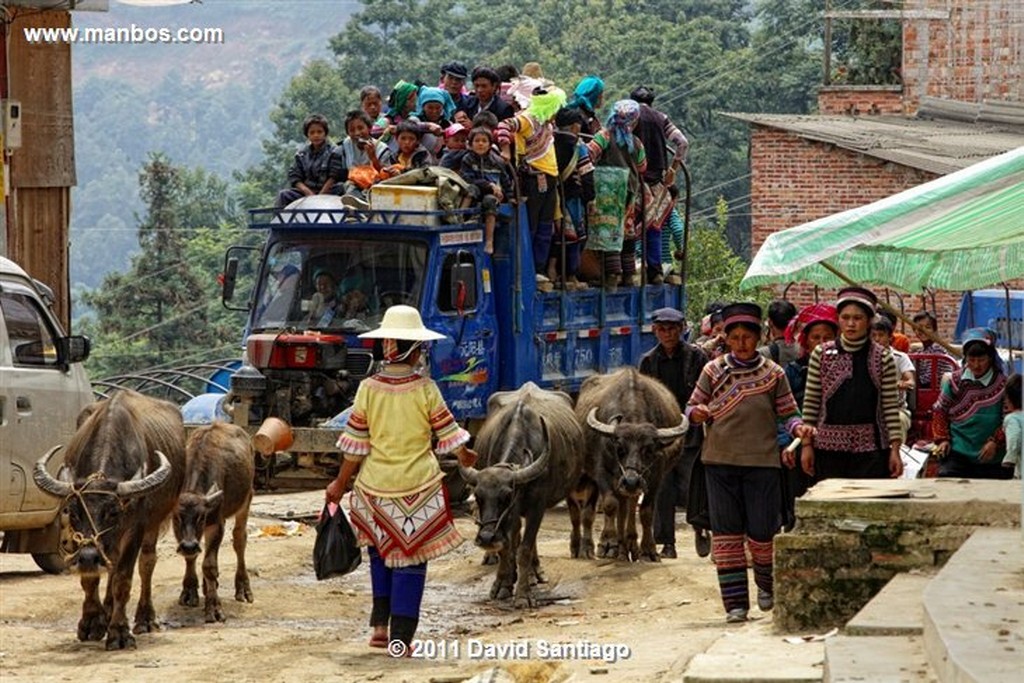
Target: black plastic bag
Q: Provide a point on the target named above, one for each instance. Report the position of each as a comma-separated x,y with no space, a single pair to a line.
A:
336,550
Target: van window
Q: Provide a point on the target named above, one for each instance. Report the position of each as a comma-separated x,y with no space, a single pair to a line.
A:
28,331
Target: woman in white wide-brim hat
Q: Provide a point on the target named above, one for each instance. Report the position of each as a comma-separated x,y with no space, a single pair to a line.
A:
399,506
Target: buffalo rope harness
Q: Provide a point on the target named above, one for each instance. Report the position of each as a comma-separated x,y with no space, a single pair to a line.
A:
508,508
76,539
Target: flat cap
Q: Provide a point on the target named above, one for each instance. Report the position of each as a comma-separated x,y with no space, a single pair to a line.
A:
668,316
457,69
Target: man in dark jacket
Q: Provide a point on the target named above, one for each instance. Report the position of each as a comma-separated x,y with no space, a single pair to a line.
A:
677,365
486,95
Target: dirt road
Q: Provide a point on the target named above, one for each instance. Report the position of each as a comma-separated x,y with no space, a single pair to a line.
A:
604,620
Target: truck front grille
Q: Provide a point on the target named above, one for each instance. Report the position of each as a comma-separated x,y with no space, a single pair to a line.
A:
359,364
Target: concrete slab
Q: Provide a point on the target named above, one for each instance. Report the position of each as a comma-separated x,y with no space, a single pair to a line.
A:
970,502
896,610
878,659
755,654
974,609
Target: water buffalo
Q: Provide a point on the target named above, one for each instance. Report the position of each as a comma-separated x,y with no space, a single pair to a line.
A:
122,473
633,430
218,484
529,448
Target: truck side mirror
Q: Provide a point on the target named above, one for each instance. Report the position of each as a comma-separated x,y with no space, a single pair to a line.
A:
76,348
230,278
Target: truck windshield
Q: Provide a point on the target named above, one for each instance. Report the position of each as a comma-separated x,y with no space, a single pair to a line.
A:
337,285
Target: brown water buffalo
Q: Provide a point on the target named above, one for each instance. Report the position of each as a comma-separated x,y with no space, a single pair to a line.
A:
218,484
122,473
633,426
530,455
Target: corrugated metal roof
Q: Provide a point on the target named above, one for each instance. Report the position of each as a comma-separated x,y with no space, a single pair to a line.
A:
936,146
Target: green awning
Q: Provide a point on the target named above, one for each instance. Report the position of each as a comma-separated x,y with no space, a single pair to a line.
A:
962,231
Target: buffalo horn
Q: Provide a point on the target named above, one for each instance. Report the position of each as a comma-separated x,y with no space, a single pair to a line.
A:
597,425
213,495
470,474
533,470
137,487
669,433
45,481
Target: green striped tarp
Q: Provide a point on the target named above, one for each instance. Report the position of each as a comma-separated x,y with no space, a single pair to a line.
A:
962,231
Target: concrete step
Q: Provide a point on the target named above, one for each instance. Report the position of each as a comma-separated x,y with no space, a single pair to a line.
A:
974,609
896,610
754,654
878,659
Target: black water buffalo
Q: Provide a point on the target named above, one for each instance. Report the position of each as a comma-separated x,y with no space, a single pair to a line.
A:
633,426
122,473
529,449
218,484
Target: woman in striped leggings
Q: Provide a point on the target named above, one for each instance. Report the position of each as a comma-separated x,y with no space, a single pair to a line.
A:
740,397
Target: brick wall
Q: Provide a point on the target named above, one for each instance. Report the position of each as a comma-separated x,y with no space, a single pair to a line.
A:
860,100
976,54
795,180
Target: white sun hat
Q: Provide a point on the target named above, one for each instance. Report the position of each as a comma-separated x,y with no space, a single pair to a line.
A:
402,322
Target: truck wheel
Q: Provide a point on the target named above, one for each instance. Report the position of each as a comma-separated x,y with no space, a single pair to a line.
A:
51,563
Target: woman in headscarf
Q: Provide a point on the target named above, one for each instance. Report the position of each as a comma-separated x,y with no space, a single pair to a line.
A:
588,98
531,134
401,104
814,326
434,112
967,418
398,506
619,164
851,400
741,397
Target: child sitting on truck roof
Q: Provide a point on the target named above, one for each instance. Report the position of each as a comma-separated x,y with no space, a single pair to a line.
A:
411,154
455,138
359,159
488,174
310,171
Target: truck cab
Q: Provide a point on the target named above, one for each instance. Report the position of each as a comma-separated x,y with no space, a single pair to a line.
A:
303,364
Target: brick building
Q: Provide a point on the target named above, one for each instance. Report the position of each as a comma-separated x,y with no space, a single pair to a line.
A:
960,102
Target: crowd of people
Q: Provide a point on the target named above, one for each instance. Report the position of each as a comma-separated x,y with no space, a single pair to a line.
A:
815,394
592,178
826,379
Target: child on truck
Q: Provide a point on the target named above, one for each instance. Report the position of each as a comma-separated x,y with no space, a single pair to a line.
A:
359,159
411,154
310,171
488,174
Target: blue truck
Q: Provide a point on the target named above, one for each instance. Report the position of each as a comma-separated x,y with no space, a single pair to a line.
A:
501,329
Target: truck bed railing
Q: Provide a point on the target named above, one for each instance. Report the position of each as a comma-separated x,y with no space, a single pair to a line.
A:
265,219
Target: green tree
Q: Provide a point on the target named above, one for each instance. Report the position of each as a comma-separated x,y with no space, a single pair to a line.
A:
319,88
714,271
157,311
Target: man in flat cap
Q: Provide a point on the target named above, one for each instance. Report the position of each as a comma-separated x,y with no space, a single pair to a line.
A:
676,364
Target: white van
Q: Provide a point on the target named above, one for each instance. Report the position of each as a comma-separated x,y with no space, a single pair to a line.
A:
43,388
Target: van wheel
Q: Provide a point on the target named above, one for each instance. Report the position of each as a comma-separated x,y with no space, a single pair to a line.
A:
51,563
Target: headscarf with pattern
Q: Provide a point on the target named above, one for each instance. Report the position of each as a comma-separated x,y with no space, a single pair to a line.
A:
622,120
